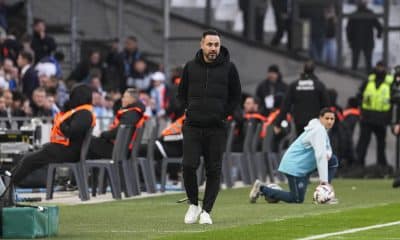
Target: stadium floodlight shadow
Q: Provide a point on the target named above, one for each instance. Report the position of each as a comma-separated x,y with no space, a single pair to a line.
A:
119,159
227,163
78,170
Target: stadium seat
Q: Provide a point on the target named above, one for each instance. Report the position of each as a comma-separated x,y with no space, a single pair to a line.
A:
226,160
78,169
119,158
147,163
257,155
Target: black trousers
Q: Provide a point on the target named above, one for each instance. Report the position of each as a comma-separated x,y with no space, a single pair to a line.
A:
366,130
209,143
100,148
49,153
356,54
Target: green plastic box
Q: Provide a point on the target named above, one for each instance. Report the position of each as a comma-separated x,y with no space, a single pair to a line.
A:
30,222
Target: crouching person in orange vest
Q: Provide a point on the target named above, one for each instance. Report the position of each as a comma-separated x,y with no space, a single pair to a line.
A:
66,138
130,114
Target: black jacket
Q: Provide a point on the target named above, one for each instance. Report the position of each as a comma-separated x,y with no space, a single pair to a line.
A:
360,29
304,99
209,91
42,47
266,88
129,118
30,81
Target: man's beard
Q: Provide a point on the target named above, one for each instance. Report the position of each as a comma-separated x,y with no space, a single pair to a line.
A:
211,57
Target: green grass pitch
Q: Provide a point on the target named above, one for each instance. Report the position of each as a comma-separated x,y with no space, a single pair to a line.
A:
361,203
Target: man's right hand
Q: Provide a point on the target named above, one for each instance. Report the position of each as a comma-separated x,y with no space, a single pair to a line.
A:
277,129
396,129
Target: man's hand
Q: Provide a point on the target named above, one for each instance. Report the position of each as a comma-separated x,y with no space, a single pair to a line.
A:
396,129
277,129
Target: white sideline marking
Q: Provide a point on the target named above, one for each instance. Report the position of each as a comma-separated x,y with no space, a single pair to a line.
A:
353,230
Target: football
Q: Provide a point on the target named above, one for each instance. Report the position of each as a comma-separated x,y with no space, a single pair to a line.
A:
273,186
323,193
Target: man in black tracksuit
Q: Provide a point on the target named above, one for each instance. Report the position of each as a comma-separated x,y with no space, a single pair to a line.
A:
304,99
210,91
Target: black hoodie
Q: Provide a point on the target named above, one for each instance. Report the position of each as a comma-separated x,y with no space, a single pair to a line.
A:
209,91
77,125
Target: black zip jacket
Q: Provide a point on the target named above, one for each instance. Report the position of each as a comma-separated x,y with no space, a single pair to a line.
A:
209,91
304,99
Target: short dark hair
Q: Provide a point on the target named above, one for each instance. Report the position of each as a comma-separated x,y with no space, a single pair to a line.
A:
132,38
309,67
27,55
36,21
325,110
210,32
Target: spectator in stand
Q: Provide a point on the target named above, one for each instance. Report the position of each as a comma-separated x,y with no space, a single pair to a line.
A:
281,20
109,112
28,78
271,87
175,108
9,10
304,99
38,104
141,77
100,112
260,9
26,107
3,109
89,67
51,105
9,47
95,84
114,73
60,89
159,93
329,49
127,58
42,44
10,73
360,34
13,101
56,61
317,35
144,97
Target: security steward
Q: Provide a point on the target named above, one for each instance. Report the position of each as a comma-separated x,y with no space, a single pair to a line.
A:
67,134
130,114
375,95
304,99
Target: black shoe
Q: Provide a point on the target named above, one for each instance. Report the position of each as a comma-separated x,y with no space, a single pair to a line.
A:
396,183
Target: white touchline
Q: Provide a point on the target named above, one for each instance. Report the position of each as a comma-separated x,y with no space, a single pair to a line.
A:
353,230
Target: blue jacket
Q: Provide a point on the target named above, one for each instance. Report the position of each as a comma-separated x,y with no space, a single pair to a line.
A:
310,151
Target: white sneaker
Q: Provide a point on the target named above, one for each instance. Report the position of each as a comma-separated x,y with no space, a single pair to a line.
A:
192,214
205,218
255,191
